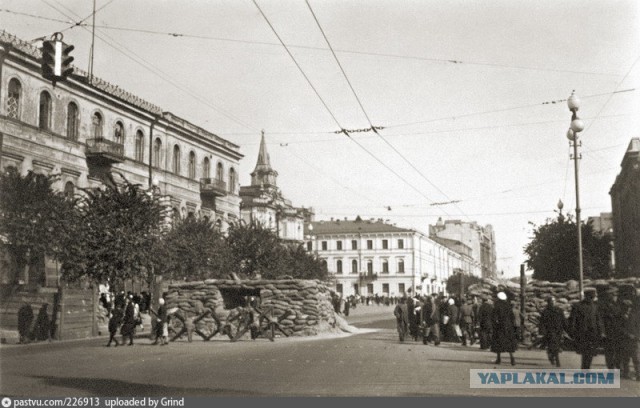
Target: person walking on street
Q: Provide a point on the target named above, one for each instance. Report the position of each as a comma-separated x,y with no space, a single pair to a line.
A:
467,322
162,328
504,330
453,326
128,322
114,324
586,327
631,337
611,313
401,312
25,320
552,327
484,323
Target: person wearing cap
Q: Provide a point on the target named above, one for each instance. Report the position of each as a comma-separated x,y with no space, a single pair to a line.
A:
484,323
401,312
630,348
504,330
611,312
552,327
430,317
467,322
586,327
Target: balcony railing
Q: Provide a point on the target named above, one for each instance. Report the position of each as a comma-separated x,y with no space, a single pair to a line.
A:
368,276
213,187
103,150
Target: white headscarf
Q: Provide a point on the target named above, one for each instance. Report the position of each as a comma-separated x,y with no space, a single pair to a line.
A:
161,301
502,296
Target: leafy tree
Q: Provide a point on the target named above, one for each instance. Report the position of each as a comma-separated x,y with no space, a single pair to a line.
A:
194,249
553,251
302,265
118,228
255,250
32,217
453,283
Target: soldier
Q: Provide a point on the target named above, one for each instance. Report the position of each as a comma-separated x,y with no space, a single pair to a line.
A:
630,344
552,326
402,318
586,327
430,317
467,322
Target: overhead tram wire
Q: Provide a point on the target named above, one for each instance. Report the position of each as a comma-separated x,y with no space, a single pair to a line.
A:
79,23
342,51
157,72
342,129
373,128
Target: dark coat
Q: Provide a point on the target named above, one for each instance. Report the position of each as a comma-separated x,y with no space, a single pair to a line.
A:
504,337
129,321
116,320
586,326
484,316
42,328
452,312
429,313
25,319
401,312
612,317
552,327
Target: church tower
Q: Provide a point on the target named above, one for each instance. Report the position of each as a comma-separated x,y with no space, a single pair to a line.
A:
263,174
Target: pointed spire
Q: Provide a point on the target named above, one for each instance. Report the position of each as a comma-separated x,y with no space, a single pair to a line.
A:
263,155
263,174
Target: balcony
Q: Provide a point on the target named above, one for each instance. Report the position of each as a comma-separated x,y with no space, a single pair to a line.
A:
368,276
213,187
103,151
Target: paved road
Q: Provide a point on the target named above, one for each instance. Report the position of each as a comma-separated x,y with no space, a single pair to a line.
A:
373,363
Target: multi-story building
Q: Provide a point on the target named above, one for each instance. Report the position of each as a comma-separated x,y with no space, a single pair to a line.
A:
370,257
84,128
480,239
263,202
625,203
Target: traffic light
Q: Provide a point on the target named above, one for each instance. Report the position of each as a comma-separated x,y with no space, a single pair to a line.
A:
56,61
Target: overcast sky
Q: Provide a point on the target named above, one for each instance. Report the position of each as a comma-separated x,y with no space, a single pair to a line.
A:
463,89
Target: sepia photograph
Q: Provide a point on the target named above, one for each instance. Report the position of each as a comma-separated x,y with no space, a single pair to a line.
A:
253,199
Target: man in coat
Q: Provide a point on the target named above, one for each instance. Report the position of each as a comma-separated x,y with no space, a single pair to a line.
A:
430,319
484,323
114,323
552,327
611,312
586,327
401,312
25,320
630,345
128,321
504,330
467,322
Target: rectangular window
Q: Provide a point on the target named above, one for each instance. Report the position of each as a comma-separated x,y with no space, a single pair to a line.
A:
324,245
385,266
354,244
370,289
356,289
369,244
401,244
339,266
309,246
369,267
339,245
339,288
401,266
385,244
401,288
385,288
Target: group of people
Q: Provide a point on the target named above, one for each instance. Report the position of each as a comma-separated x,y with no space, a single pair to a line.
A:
125,315
611,322
42,328
608,320
437,318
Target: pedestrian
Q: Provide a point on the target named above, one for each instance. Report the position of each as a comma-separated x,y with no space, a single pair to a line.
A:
611,313
128,321
552,327
504,330
402,318
25,320
467,323
453,324
630,346
115,320
162,329
42,328
430,317
586,327
347,304
484,323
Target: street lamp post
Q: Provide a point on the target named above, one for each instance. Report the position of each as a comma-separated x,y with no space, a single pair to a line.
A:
572,134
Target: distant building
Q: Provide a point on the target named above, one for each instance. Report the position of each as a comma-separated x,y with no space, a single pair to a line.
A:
369,257
625,203
602,224
480,239
86,127
263,202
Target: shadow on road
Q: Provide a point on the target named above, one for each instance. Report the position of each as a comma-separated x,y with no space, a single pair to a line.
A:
104,387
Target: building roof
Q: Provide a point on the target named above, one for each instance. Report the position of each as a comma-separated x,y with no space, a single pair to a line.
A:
351,227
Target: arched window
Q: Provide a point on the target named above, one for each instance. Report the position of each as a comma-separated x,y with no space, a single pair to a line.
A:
96,125
72,121
339,266
192,165
220,172
44,111
69,189
13,99
118,133
157,149
232,180
176,159
354,266
139,146
206,168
